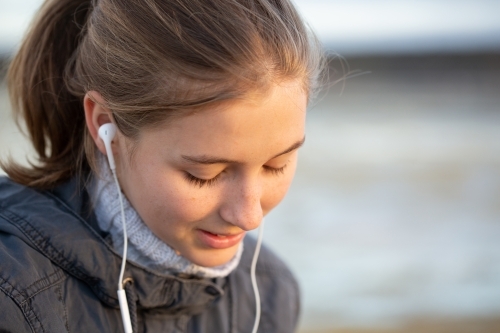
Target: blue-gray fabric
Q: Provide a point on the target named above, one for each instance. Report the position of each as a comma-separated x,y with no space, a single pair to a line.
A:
58,273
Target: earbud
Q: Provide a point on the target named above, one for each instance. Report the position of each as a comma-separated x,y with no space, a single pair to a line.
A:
107,133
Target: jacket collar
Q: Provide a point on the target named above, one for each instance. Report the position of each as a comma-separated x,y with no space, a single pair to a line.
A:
60,224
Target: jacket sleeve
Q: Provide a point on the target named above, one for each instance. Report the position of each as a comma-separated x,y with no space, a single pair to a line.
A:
11,316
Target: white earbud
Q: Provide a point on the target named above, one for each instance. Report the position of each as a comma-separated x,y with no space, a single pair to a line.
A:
107,133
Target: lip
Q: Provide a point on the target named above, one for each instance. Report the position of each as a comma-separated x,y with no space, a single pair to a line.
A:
220,242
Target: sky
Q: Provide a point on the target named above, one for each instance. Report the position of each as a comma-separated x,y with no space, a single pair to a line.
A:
355,26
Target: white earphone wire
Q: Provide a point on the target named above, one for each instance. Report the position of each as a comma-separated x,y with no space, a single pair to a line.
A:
122,296
125,238
254,279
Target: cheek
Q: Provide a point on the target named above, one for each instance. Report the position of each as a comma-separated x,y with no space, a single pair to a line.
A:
170,199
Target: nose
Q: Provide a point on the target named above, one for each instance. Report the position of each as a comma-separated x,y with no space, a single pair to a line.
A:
242,206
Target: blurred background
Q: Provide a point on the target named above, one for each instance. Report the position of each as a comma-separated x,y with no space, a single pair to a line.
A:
393,221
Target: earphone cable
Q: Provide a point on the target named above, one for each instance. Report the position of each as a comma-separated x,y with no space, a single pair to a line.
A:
122,296
125,240
254,280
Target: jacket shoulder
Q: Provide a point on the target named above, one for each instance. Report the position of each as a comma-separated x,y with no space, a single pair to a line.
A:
24,269
30,289
30,283
11,317
19,251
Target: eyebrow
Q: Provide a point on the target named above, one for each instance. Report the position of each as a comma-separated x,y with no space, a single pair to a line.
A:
207,159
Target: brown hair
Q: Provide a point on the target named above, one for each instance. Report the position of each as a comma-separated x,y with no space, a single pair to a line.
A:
150,60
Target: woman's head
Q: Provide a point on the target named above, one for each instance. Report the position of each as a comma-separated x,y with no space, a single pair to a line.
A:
150,61
199,182
156,66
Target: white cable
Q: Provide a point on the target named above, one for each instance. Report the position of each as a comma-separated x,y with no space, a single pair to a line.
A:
122,296
125,240
254,280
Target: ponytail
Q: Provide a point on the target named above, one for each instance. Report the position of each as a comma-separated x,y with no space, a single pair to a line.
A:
54,117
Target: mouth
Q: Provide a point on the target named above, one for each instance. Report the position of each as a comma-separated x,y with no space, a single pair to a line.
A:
220,241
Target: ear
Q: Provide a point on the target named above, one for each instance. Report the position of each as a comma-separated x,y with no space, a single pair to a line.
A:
96,114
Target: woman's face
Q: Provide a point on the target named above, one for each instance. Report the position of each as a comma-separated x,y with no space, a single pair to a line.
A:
202,181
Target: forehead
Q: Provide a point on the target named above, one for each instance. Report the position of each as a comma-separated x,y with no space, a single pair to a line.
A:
250,128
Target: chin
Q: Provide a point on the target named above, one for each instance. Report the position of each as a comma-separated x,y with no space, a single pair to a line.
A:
211,257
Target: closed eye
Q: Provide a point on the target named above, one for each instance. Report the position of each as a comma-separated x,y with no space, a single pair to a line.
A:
275,171
201,182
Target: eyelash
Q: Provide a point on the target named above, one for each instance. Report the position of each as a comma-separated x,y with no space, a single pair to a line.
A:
201,182
210,182
275,171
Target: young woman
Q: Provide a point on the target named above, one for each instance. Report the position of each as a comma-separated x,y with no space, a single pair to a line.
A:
208,99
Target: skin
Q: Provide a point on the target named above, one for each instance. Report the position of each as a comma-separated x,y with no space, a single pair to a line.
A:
244,152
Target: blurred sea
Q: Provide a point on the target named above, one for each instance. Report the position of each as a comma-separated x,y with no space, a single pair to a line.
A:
393,219
394,215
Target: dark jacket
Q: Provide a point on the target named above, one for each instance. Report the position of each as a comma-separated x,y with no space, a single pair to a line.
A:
58,273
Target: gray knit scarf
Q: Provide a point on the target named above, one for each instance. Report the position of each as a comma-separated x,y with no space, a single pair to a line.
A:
144,247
